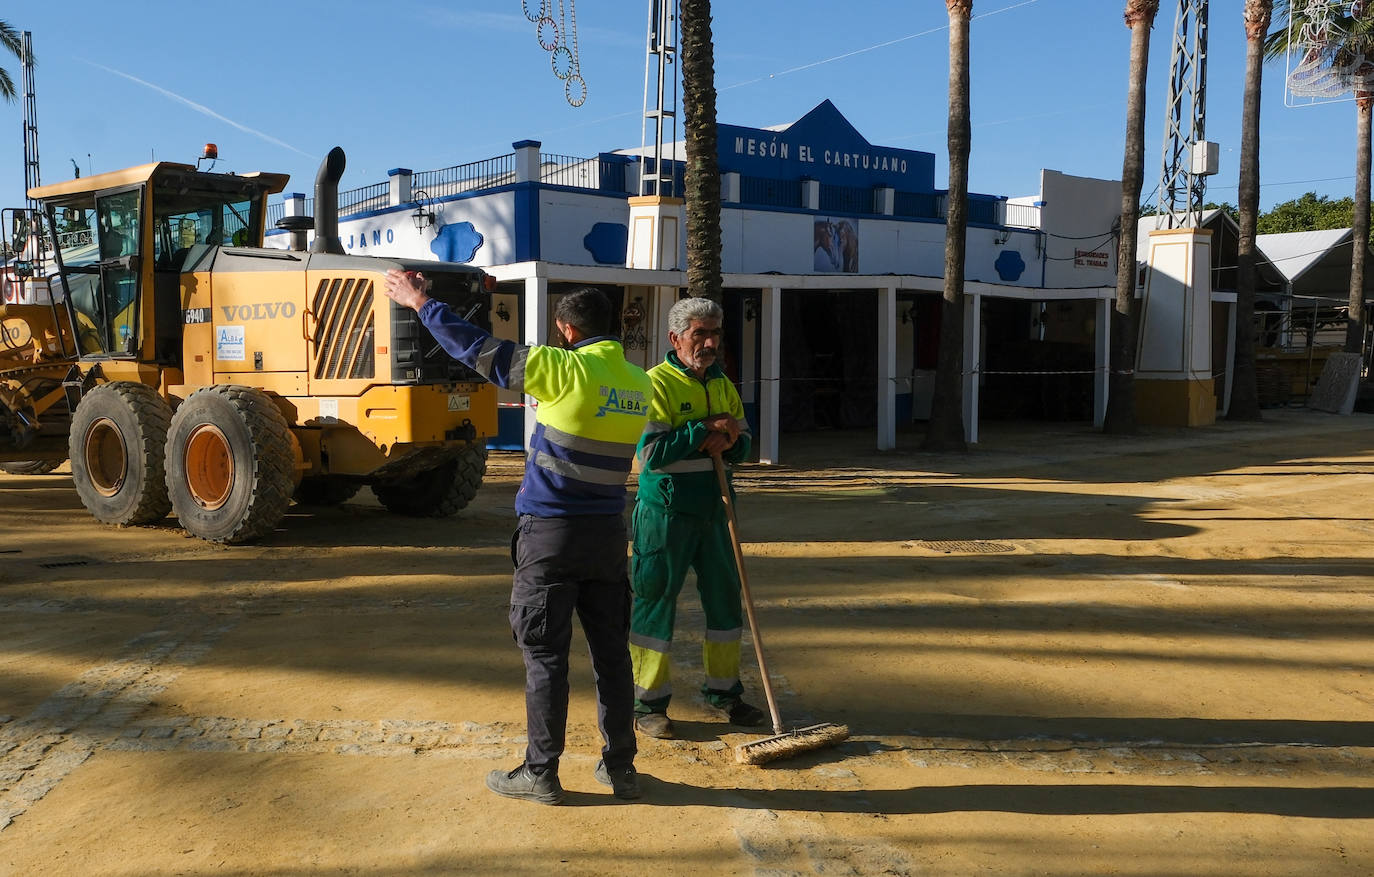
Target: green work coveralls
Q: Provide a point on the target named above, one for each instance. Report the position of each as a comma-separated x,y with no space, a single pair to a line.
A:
680,523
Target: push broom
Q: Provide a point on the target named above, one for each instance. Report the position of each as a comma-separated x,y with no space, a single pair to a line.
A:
783,743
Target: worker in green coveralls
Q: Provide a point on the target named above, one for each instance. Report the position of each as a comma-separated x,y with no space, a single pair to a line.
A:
680,521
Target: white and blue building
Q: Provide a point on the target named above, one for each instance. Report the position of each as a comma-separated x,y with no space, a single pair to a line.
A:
832,255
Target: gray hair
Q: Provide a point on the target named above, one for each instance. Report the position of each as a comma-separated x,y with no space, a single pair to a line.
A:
682,314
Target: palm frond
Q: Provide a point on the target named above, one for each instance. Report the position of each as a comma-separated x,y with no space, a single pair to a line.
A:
10,39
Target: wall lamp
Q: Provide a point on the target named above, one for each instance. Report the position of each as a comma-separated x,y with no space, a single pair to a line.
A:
423,217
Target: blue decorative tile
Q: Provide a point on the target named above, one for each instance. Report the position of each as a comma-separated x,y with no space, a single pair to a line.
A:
458,242
606,242
1010,266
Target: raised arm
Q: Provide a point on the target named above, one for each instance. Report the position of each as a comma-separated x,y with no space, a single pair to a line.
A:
500,362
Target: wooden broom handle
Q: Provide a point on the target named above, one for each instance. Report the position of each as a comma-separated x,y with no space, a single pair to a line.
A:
744,592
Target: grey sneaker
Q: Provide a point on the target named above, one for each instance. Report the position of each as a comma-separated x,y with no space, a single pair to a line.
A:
743,714
525,783
624,782
654,725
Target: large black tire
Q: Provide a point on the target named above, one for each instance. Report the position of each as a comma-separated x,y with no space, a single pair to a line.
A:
325,490
229,464
439,492
116,443
30,467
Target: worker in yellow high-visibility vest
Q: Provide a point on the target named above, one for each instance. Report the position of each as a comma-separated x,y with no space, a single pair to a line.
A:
569,545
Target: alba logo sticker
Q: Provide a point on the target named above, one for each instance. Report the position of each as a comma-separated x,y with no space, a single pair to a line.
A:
229,344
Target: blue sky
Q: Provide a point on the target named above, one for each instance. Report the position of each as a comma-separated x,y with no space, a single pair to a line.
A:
426,85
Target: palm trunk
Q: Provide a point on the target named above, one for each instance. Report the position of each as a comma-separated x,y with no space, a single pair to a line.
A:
1359,228
1244,387
702,180
946,430
1120,418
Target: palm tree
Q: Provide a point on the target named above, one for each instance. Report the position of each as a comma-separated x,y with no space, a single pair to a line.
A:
1120,418
1244,388
1348,34
10,39
702,179
946,430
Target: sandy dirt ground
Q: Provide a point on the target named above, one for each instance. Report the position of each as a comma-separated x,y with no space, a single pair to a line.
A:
1059,654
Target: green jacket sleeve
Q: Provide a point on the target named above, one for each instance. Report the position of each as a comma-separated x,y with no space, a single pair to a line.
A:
739,451
661,444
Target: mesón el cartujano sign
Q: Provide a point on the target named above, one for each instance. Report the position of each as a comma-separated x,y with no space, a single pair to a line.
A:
824,146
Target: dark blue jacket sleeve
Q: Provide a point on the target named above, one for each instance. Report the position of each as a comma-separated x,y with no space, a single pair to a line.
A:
500,362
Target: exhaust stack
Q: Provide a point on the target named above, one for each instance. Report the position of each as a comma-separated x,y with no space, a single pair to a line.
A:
327,203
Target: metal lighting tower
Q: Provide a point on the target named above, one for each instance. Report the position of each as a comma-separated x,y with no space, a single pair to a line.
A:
32,177
1188,157
660,99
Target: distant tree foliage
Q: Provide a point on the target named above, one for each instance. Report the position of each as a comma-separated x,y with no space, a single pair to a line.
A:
1311,212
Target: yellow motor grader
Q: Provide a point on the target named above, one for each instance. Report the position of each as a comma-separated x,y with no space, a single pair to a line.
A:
192,370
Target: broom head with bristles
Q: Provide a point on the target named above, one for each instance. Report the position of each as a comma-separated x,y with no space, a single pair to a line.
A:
791,743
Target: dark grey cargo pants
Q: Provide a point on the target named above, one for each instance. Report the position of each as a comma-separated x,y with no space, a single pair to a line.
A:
563,566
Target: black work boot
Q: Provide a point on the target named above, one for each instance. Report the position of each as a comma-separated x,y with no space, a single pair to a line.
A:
525,783
742,714
624,782
654,725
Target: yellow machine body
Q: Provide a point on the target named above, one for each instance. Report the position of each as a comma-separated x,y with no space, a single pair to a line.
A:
178,293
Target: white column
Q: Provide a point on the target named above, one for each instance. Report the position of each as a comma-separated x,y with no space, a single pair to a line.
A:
770,367
526,160
1102,358
884,200
973,355
1174,350
729,187
536,332
887,368
400,191
664,299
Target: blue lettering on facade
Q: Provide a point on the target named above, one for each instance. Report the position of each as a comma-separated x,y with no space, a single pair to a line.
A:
376,237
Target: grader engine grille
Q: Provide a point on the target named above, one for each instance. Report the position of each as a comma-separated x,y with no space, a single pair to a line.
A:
343,329
416,357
